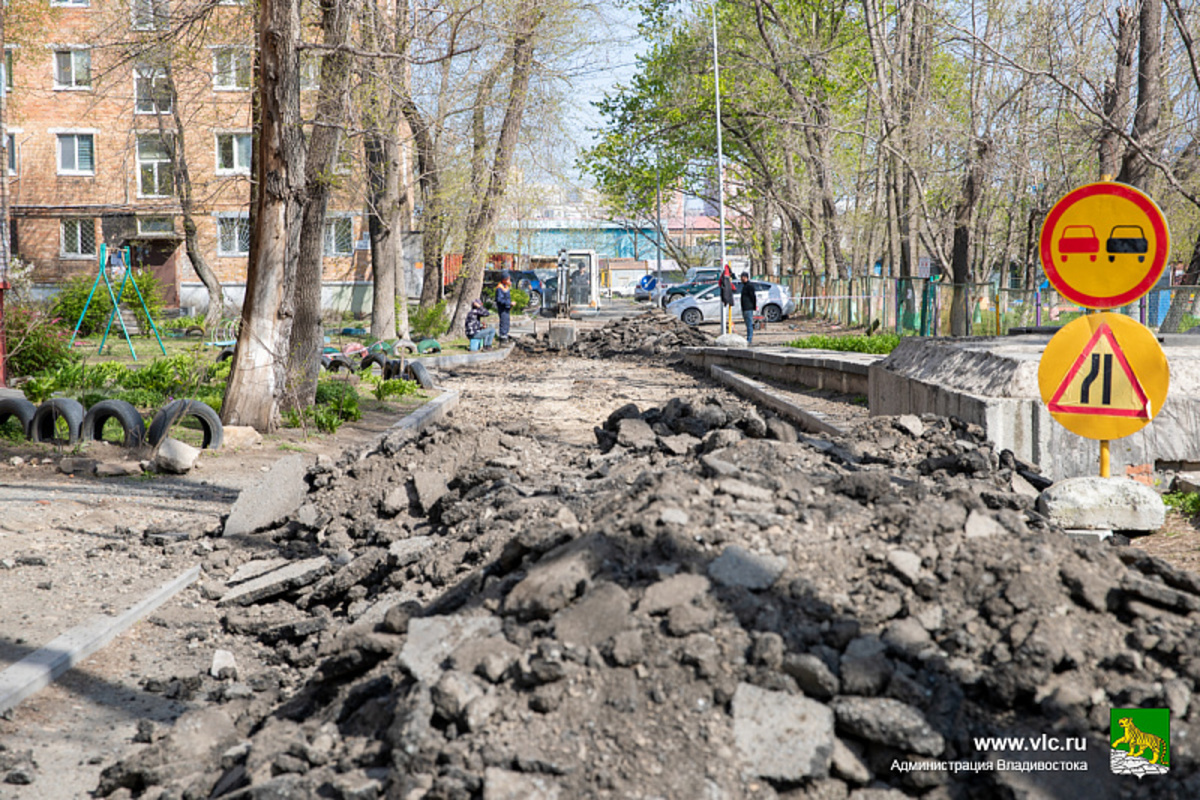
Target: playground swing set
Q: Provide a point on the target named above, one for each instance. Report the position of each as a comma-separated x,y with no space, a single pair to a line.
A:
121,261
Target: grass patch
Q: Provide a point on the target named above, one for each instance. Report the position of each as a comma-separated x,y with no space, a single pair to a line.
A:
1186,503
879,344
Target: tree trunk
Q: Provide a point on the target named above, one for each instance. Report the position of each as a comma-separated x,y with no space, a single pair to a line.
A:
960,265
187,212
308,339
1135,168
257,378
1116,96
385,239
429,181
483,218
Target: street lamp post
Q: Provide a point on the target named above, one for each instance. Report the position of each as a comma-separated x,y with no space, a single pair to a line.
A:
658,214
720,149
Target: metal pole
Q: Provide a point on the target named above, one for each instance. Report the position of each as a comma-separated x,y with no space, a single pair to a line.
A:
5,237
720,151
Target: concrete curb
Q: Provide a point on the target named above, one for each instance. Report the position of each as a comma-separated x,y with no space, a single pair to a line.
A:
40,668
458,359
433,411
759,393
822,369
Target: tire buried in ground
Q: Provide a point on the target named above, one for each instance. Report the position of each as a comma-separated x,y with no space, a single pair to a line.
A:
373,358
175,411
133,427
42,428
17,408
420,374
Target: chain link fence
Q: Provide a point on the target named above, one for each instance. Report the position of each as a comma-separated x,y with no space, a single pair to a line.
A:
922,306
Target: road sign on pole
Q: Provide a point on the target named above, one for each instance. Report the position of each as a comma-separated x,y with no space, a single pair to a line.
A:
1104,376
1104,245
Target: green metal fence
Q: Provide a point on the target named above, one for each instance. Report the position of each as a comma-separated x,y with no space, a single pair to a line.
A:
922,306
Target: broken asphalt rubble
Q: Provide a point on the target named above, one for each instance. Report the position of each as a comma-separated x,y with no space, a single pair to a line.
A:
707,604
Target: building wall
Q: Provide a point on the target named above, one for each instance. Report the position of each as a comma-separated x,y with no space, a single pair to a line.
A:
112,198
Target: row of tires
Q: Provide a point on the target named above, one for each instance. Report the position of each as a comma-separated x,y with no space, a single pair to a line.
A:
393,368
40,423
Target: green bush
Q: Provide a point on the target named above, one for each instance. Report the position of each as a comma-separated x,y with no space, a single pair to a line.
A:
72,298
429,323
1186,503
881,344
394,388
36,341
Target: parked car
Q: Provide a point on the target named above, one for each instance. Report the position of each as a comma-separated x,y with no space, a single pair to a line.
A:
525,280
672,293
774,303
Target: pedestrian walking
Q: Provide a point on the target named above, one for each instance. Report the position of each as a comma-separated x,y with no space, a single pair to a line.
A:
749,306
504,303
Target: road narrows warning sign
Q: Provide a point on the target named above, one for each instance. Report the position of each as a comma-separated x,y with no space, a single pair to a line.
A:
1101,382
1103,376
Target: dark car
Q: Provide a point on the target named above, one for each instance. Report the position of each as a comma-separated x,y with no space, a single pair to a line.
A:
684,289
525,280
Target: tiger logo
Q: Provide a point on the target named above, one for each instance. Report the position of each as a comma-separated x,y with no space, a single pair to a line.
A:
1140,741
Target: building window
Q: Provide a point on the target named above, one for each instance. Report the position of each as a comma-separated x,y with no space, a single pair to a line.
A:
233,153
231,68
154,165
339,236
151,14
153,226
78,238
75,154
72,69
8,69
233,235
151,90
10,145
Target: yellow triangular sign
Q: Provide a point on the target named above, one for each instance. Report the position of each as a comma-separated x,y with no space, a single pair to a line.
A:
1101,382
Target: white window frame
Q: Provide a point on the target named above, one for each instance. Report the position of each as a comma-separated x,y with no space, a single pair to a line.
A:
13,168
153,75
329,236
72,85
157,163
234,53
159,19
233,216
237,168
70,3
63,252
142,231
58,152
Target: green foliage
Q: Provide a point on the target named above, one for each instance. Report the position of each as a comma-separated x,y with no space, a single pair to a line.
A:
882,343
394,388
336,402
72,298
36,340
429,323
1186,503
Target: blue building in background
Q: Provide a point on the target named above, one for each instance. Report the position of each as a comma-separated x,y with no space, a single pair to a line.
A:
545,237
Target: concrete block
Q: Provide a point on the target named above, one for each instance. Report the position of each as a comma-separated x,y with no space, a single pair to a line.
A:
782,736
175,457
430,486
274,498
1093,503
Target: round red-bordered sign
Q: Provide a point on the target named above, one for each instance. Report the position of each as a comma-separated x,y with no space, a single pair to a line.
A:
1104,245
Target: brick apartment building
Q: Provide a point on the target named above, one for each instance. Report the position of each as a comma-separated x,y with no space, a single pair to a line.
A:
89,119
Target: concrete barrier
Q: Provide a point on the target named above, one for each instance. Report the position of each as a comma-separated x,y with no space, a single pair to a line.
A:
820,369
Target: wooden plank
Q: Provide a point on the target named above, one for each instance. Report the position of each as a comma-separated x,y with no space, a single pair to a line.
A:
40,668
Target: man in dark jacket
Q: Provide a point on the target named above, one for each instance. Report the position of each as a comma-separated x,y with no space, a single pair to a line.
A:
749,306
504,303
474,327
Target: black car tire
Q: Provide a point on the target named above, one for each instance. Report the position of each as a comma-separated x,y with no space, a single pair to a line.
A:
176,410
41,427
224,354
772,313
420,374
21,409
691,316
336,363
371,360
133,427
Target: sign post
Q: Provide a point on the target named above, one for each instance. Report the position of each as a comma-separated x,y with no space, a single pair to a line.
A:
1104,376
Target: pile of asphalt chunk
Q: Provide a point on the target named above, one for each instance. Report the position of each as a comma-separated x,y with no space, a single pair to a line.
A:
653,332
706,605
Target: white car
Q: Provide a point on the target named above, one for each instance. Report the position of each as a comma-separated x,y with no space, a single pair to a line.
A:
774,303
